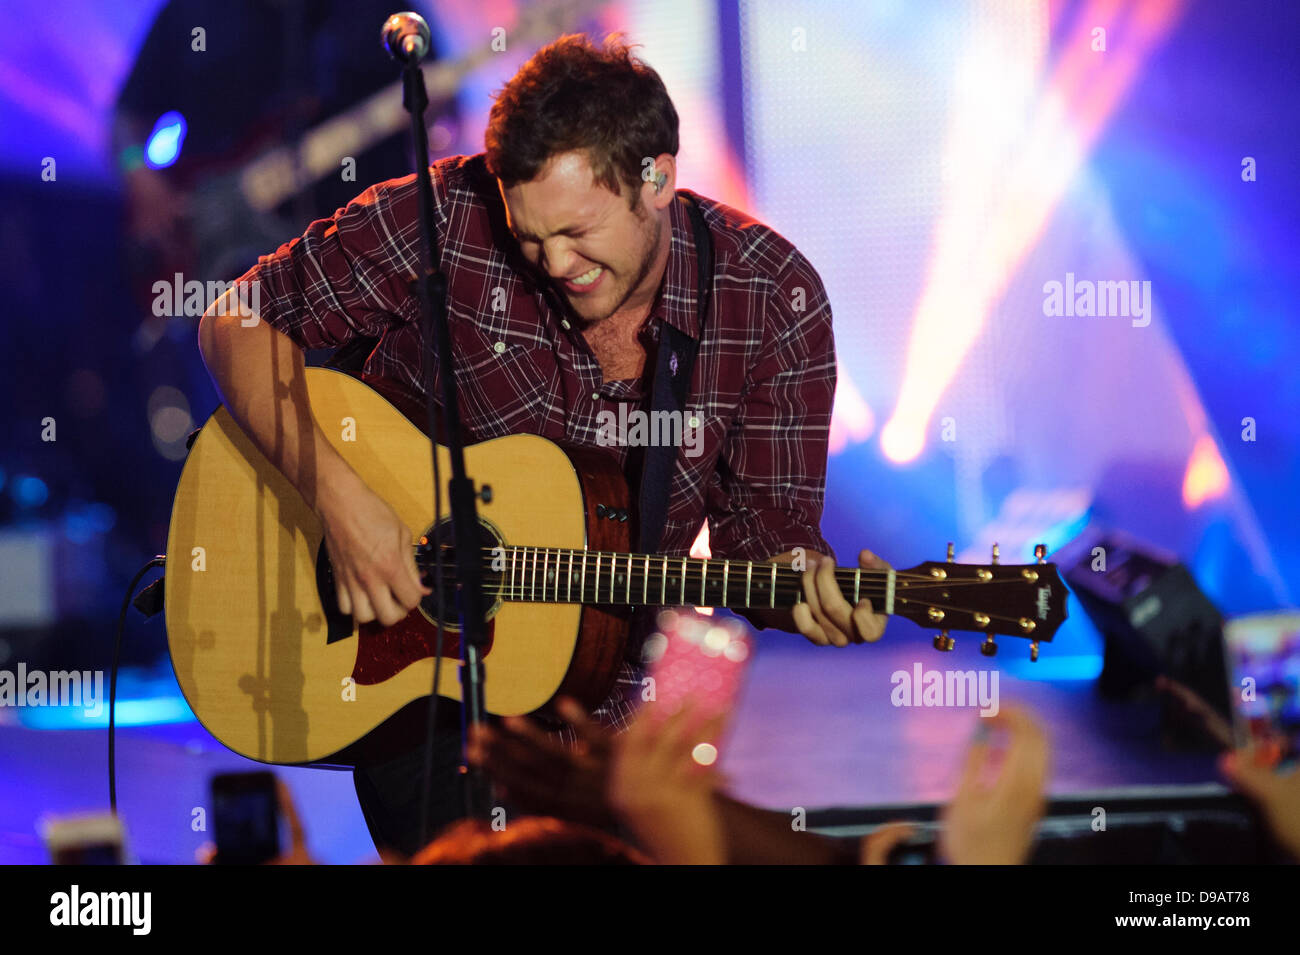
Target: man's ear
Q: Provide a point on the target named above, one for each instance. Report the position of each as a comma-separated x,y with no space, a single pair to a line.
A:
659,189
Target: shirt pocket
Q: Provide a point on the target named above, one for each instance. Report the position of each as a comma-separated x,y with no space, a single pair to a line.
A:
503,385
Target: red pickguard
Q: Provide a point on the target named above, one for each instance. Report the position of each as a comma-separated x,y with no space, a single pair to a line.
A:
383,652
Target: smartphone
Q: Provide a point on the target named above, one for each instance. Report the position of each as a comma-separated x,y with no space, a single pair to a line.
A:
87,839
1263,664
696,657
246,818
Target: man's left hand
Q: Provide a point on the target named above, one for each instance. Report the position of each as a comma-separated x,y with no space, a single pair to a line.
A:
825,617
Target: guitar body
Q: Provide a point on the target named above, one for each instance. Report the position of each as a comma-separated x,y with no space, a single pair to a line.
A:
264,658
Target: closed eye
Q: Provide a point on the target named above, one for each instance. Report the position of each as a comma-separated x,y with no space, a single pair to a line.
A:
528,237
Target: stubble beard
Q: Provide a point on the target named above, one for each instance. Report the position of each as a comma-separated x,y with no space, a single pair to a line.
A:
643,271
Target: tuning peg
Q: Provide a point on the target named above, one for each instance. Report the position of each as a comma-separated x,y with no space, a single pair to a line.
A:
995,553
1033,651
950,552
944,642
988,647
1040,552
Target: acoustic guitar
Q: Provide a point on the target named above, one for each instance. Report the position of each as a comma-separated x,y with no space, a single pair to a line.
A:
275,672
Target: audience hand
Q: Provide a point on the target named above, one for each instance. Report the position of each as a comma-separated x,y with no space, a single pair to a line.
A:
875,846
992,818
663,795
1277,794
539,774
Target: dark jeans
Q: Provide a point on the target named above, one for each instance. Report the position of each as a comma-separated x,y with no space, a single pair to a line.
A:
390,789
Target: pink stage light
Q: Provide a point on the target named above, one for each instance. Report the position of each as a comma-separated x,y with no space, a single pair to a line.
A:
1206,476
1009,171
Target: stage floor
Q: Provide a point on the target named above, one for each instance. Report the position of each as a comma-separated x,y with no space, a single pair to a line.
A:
816,728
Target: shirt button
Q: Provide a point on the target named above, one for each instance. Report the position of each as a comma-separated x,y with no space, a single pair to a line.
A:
595,396
694,422
564,323
499,347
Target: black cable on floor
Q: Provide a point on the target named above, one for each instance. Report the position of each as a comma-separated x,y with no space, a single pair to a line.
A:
158,561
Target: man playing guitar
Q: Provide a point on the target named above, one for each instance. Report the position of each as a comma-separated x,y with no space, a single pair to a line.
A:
568,251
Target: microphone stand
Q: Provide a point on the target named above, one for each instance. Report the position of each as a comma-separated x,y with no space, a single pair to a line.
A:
432,292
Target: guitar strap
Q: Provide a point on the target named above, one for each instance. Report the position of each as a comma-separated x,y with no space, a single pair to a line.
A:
351,357
670,389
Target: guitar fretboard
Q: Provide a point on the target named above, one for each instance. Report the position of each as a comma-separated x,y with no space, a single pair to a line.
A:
560,575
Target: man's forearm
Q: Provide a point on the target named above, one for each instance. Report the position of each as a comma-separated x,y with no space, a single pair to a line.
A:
259,374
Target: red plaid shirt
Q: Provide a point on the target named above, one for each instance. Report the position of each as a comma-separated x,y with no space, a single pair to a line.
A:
762,386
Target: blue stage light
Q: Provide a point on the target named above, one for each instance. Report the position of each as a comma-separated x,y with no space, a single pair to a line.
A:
147,711
29,491
164,144
1081,666
82,520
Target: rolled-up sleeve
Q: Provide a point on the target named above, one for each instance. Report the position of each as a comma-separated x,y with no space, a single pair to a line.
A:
347,276
772,474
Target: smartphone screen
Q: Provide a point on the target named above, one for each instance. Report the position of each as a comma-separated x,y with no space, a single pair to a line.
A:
696,657
1263,664
246,815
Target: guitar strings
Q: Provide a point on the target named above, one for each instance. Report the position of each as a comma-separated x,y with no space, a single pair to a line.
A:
523,580
784,601
782,569
522,591
914,583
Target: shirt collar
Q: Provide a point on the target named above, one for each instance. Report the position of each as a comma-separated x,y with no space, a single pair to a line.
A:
677,303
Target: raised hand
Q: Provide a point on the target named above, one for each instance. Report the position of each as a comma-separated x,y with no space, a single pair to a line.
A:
1277,794
539,774
993,816
663,794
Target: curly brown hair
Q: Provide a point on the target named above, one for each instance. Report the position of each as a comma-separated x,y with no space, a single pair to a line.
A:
529,840
574,95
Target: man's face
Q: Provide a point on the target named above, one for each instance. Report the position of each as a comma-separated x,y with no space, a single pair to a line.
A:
596,250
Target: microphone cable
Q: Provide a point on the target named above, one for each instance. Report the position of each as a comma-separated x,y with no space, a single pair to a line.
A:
149,603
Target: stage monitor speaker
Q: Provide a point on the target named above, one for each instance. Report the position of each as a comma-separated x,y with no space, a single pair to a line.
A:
1154,617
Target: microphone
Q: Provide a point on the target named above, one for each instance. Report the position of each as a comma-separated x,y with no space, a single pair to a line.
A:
406,37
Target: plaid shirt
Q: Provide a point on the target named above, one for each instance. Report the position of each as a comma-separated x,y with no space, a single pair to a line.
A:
762,386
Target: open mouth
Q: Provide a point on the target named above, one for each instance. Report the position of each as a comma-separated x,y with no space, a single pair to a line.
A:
586,282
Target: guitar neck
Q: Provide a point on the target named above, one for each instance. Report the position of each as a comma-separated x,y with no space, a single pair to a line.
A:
559,575
1023,600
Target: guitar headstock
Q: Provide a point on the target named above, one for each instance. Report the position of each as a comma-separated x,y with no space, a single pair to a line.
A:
1016,600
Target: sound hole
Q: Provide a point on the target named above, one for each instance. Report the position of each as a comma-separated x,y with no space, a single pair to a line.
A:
440,535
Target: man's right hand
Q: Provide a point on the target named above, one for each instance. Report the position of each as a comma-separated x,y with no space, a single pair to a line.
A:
372,552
